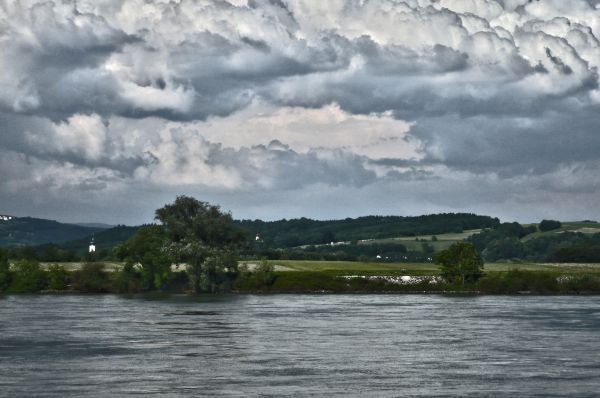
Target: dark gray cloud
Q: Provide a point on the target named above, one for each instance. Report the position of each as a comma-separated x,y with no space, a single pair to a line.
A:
113,99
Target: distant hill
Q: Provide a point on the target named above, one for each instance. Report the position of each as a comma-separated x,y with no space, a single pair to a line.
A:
304,231
275,234
94,225
20,231
104,239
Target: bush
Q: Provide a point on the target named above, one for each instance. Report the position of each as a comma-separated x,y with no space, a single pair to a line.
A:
58,277
580,284
549,225
262,278
128,280
5,274
460,263
92,278
28,277
516,281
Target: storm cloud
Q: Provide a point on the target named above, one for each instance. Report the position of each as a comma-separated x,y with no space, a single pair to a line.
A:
282,108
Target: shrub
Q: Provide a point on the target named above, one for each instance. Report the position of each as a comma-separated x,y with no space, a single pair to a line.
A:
580,284
58,277
28,277
460,263
549,225
261,278
92,278
5,274
515,281
128,280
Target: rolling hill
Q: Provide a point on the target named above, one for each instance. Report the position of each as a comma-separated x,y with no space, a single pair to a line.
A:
21,231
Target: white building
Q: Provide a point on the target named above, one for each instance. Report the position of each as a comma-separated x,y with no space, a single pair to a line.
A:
92,248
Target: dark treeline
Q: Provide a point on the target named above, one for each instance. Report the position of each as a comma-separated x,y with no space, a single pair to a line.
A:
304,231
27,231
28,276
506,242
373,252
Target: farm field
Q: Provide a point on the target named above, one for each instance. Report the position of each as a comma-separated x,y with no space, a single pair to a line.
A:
415,243
584,227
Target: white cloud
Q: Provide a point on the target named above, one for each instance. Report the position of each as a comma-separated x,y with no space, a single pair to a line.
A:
242,97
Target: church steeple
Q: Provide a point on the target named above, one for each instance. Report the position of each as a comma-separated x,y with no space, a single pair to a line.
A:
92,248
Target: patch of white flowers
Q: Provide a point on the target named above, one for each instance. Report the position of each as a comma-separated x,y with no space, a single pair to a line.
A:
397,280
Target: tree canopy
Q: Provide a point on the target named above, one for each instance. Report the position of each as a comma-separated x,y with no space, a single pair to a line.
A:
146,248
549,225
460,263
205,239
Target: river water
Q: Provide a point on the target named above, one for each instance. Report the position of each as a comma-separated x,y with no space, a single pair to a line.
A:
299,345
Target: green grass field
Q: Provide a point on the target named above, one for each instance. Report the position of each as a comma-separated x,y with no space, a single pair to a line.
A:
571,226
415,243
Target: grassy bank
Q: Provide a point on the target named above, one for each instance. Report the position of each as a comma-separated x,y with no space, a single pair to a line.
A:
344,267
315,276
509,282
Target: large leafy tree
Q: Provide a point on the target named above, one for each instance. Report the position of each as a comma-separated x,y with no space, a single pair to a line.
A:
205,239
460,263
146,248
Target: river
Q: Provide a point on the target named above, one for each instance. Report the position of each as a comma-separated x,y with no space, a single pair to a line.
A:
299,345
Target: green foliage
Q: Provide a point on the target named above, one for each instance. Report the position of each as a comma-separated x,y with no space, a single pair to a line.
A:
519,281
127,280
304,231
58,277
460,263
205,239
22,231
104,240
91,278
146,248
216,274
5,273
501,231
27,277
579,284
259,279
579,253
53,253
549,225
504,249
427,248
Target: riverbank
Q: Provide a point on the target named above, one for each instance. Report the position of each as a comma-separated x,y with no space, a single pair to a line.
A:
315,277
510,282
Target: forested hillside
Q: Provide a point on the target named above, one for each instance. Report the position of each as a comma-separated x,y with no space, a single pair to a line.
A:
20,231
304,231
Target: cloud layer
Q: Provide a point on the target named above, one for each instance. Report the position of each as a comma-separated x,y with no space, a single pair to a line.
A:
283,108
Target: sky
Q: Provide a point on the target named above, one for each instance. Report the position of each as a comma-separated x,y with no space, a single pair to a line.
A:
275,109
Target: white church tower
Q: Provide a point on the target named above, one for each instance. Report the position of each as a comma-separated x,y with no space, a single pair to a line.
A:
92,248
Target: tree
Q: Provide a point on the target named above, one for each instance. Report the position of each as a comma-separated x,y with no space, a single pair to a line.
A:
549,225
460,262
5,274
91,278
504,249
58,277
205,239
28,277
146,248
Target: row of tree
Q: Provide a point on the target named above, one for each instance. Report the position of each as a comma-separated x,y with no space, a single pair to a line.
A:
506,243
